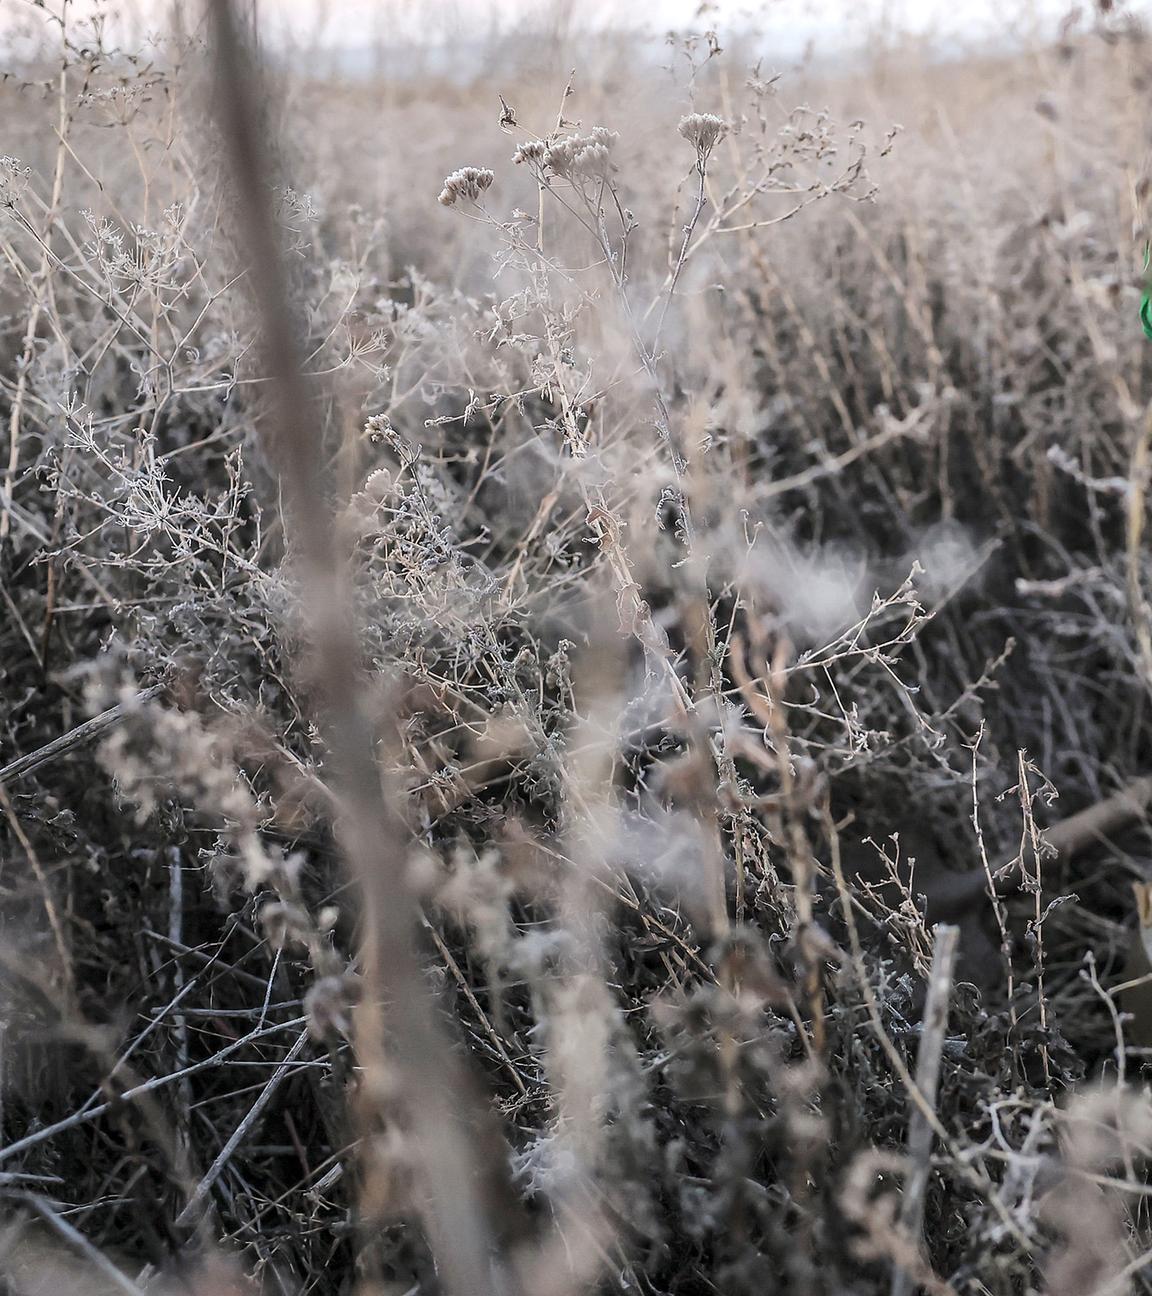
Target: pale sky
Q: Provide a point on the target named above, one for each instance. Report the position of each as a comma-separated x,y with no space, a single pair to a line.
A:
800,19
831,24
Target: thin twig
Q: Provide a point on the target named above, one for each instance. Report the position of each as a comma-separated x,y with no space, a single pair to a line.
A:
137,1091
83,733
75,1239
204,1187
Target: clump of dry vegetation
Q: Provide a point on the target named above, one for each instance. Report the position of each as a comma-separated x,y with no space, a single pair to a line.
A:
545,620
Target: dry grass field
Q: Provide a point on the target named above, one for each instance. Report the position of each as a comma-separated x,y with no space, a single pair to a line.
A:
575,665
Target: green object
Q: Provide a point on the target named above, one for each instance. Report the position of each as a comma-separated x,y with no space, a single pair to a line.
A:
1146,296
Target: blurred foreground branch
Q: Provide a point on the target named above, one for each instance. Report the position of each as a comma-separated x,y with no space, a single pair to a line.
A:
431,1085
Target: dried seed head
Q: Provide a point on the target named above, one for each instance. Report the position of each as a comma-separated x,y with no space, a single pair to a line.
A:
285,923
468,182
328,1006
378,485
703,131
13,180
531,151
582,157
